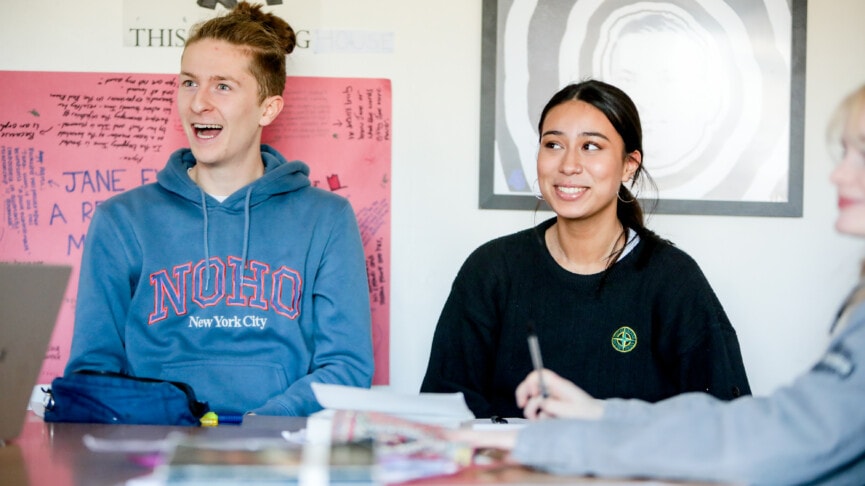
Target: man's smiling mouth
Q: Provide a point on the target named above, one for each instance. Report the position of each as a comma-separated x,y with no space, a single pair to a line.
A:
203,130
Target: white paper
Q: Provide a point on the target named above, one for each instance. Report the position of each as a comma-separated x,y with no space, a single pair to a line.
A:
423,407
133,446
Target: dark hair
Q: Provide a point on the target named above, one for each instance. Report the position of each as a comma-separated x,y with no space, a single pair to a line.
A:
618,107
267,37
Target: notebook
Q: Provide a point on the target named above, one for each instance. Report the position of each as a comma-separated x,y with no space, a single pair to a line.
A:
30,298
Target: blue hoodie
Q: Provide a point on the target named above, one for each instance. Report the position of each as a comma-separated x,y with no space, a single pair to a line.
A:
163,292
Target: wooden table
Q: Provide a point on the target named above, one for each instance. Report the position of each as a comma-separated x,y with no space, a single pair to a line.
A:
55,455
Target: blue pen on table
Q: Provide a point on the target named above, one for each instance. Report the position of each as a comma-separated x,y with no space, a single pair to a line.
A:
537,362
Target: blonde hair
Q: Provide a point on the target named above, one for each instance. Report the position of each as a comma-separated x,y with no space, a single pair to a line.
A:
850,108
267,37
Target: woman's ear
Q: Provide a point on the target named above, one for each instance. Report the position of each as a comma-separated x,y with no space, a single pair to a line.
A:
272,107
632,163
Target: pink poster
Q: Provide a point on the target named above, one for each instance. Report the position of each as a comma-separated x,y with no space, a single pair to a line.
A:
69,141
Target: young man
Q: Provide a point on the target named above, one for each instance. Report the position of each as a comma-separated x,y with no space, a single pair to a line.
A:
231,273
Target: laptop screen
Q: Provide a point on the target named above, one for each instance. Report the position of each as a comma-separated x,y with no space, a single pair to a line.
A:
30,298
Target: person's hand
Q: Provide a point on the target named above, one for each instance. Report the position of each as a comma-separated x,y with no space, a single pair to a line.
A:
564,400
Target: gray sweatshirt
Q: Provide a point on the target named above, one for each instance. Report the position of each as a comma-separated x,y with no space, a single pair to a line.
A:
812,430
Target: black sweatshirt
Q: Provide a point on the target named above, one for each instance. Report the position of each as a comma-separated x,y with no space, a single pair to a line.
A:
656,297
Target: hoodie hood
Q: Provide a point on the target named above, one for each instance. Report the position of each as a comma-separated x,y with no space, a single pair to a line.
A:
280,176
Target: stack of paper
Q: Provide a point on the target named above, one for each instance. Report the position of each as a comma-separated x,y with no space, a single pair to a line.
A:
406,429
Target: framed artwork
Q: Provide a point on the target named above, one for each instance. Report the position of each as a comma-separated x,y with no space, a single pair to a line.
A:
720,86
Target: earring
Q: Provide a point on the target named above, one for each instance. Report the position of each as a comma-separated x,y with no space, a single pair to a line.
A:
619,195
536,191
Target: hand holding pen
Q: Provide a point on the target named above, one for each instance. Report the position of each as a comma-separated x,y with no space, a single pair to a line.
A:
563,400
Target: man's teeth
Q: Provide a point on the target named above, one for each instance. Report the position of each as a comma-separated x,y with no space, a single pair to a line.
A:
201,128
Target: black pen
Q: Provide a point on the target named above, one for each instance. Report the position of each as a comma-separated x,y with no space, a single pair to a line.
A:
537,362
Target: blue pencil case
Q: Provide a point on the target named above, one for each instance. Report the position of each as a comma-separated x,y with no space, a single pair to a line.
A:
114,398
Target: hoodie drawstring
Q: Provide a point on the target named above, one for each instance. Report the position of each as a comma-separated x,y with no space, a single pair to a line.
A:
206,241
246,229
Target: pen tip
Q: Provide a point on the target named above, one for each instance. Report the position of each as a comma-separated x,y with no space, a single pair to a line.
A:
530,326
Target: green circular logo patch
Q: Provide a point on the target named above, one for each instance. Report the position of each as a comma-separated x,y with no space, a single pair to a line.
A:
624,339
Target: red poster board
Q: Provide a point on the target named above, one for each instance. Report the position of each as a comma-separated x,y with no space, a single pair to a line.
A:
69,141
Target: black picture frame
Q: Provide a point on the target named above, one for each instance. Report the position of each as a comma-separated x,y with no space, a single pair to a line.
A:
776,125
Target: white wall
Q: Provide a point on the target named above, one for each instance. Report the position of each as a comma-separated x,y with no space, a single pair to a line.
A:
780,279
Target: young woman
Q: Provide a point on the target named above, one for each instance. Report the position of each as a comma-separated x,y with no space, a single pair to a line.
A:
231,273
616,309
812,431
